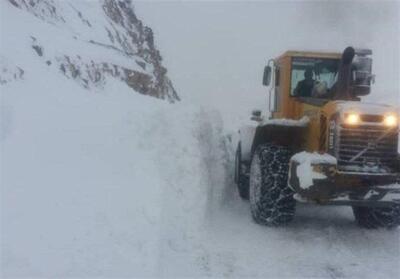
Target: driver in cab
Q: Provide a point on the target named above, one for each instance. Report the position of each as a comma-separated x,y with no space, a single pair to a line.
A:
305,87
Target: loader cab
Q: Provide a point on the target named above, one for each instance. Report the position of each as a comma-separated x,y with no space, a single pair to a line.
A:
297,79
290,84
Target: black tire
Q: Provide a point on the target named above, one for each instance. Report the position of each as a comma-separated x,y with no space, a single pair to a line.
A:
377,217
241,177
271,199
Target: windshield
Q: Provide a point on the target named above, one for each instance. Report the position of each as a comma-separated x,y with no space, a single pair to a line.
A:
313,77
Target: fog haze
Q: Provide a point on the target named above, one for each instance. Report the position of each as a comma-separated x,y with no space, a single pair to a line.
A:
216,51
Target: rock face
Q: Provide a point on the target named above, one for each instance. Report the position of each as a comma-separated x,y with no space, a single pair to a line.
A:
101,40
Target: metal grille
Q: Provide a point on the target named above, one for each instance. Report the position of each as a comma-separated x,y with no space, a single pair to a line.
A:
371,118
381,155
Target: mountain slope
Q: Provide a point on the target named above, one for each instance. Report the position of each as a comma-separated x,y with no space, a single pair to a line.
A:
91,43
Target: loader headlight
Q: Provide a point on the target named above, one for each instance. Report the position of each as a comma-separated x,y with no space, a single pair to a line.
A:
390,120
352,118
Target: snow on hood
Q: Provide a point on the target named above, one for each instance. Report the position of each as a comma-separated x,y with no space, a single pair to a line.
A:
314,158
303,122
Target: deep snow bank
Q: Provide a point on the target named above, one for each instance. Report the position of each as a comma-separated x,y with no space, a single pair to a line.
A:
97,182
96,185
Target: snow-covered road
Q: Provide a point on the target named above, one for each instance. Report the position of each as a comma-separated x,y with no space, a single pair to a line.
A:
322,242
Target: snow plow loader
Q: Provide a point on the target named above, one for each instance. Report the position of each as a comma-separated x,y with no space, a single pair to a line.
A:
320,143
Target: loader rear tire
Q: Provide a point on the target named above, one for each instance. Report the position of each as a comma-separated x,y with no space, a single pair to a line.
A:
271,199
377,217
241,177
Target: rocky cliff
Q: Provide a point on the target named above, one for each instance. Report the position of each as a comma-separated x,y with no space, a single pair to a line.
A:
91,42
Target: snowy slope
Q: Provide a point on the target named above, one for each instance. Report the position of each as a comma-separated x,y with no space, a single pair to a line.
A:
100,182
92,185
90,42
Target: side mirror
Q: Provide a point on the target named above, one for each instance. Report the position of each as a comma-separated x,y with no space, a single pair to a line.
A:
256,115
362,73
267,75
362,83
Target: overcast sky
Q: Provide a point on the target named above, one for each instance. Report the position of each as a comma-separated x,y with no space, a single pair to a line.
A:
215,51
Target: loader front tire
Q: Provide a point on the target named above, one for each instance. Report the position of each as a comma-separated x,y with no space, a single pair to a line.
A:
377,217
271,199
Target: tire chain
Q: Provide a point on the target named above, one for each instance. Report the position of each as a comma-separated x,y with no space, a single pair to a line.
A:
271,199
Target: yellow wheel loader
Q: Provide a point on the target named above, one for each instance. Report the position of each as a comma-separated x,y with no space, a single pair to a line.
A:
321,144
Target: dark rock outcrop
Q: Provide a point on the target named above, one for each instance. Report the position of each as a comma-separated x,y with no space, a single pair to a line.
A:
122,35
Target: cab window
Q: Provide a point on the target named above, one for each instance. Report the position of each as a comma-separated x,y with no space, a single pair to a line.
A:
313,77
